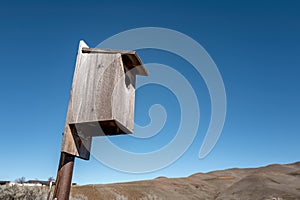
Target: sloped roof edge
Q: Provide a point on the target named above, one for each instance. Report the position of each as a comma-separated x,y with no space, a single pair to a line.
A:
128,54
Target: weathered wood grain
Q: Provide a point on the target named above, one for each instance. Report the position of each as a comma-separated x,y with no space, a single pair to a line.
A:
102,97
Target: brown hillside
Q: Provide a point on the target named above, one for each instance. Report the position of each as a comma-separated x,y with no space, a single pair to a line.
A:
274,182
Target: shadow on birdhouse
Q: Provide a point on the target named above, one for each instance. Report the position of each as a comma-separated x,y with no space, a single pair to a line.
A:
102,97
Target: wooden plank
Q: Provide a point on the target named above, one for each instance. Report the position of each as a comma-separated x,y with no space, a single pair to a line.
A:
72,143
76,145
106,51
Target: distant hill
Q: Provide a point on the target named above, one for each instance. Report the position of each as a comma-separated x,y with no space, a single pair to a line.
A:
273,182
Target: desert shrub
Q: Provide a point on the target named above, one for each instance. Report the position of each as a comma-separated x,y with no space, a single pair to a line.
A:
146,197
16,192
78,197
22,193
150,197
121,197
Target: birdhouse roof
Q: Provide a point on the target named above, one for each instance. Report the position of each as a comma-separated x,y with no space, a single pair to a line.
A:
130,58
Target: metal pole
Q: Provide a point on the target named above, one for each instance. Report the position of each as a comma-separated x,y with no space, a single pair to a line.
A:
64,177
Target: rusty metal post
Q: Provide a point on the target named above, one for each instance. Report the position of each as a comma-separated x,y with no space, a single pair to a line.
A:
64,177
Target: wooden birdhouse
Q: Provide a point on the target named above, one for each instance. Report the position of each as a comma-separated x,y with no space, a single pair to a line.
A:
102,97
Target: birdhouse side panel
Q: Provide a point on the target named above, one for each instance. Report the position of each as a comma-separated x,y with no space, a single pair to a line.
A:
123,100
76,145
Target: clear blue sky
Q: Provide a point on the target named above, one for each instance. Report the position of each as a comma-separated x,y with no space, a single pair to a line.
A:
255,44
